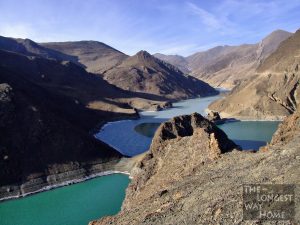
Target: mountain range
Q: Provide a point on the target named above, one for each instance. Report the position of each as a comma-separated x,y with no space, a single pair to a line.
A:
145,73
225,66
54,95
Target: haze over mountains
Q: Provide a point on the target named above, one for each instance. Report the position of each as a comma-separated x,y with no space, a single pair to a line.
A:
225,66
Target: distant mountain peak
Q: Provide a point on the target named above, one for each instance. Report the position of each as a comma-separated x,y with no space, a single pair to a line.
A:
277,34
279,31
144,54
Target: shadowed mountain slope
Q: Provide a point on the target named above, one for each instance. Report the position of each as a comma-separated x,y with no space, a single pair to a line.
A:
45,123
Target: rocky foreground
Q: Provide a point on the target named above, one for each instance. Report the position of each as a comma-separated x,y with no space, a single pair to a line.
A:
193,174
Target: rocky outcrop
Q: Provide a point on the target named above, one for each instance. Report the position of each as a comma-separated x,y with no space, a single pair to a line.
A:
143,73
183,132
189,180
273,92
213,116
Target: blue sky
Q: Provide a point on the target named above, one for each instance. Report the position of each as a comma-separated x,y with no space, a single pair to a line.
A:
165,26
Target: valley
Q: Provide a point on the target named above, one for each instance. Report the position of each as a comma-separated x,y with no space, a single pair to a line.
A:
147,114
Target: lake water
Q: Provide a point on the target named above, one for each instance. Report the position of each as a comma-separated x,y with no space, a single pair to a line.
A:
76,204
128,138
132,137
80,203
250,134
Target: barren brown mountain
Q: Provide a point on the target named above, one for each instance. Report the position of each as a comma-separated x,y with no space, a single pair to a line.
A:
274,91
97,57
140,73
143,73
225,66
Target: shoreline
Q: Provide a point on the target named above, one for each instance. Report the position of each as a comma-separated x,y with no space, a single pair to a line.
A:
65,183
225,119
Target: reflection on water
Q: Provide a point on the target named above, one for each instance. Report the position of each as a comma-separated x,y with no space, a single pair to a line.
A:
147,129
250,134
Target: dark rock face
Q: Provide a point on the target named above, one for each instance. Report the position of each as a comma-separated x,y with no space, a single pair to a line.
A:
213,116
183,126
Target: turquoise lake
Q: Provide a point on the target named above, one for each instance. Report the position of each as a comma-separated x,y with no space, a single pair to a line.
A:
76,204
132,137
80,203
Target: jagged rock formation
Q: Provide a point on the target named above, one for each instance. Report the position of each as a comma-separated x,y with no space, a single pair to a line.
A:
213,116
273,92
226,66
97,57
186,180
144,73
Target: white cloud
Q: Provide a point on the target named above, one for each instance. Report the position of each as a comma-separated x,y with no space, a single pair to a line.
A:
178,49
18,30
206,17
